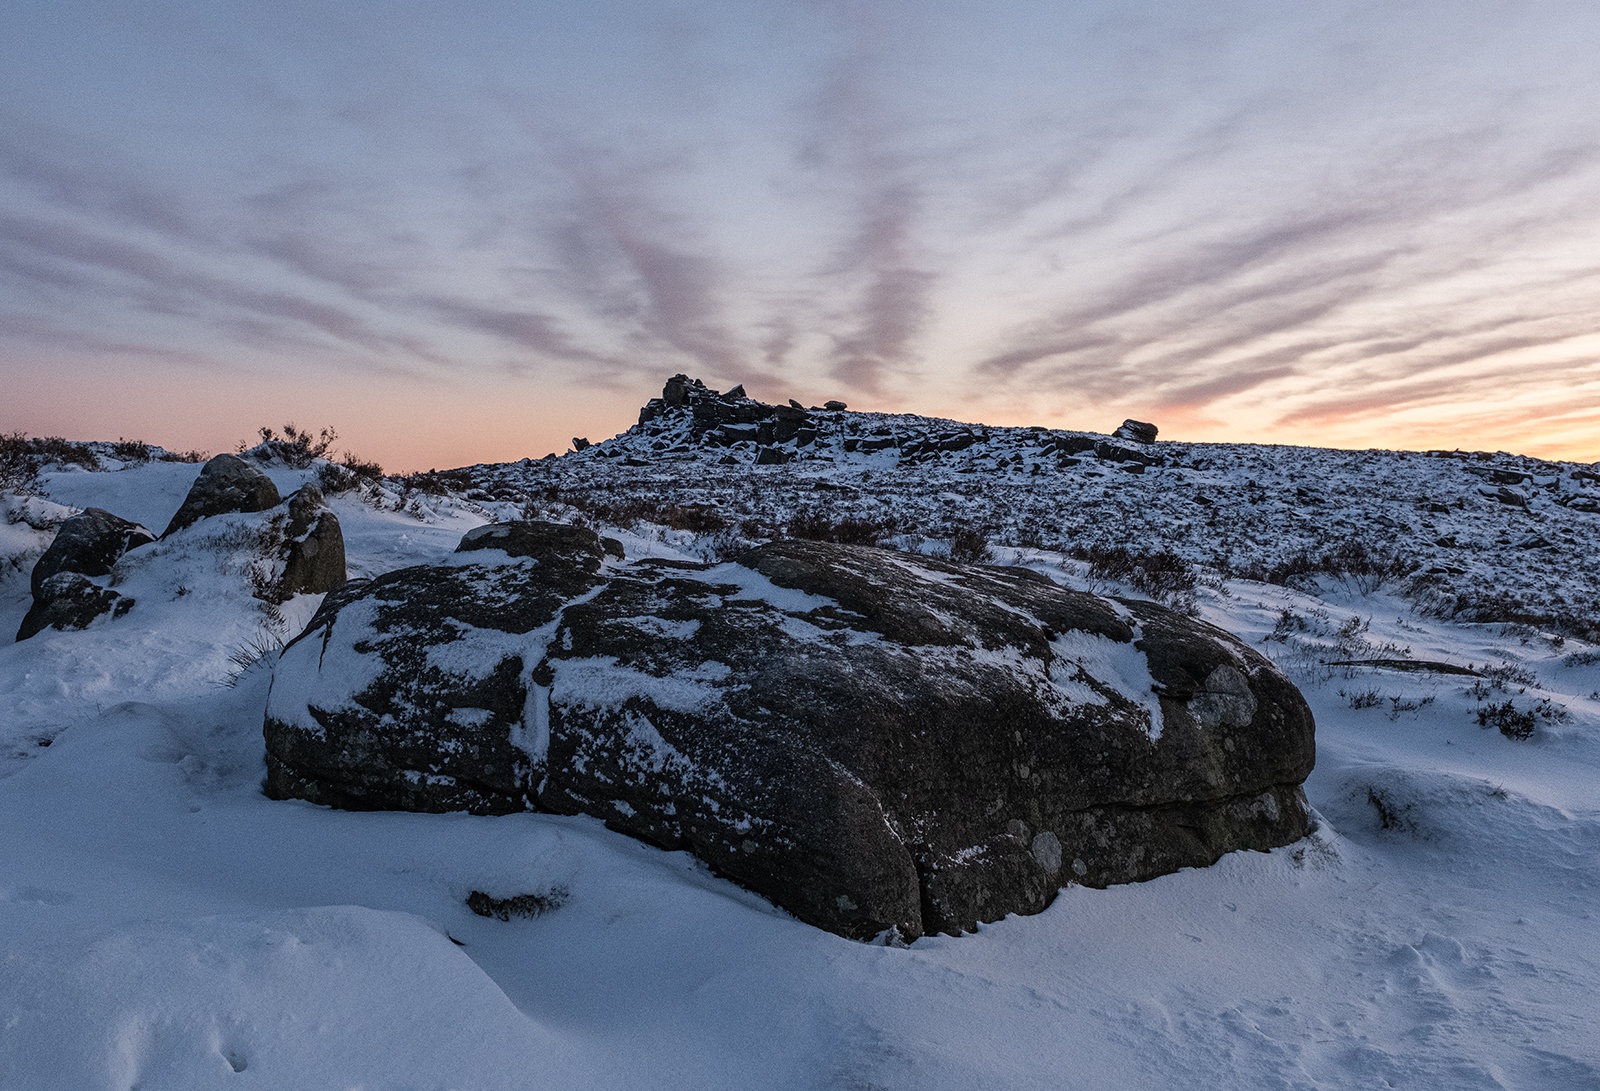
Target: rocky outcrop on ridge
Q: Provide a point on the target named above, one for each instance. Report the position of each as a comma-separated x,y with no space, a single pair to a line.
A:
873,740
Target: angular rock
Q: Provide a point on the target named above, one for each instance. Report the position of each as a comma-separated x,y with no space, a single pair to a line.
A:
1071,445
69,600
1136,430
89,543
872,740
681,389
772,456
1112,453
729,434
227,483
410,691
314,560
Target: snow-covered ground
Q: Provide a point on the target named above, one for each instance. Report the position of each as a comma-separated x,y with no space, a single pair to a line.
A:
164,925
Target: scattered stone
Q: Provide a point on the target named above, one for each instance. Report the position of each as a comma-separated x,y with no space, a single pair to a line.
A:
1410,666
875,741
1506,495
226,484
580,444
314,560
68,601
1110,452
835,406
1136,430
89,543
773,456
527,906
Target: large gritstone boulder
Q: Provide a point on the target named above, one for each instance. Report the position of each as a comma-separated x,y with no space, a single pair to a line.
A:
873,740
227,483
410,691
89,543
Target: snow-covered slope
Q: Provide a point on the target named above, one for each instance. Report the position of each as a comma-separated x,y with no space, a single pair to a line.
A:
1480,535
162,924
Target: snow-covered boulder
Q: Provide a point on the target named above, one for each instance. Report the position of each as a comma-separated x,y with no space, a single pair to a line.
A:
226,484
872,740
68,601
313,546
1136,430
89,543
410,691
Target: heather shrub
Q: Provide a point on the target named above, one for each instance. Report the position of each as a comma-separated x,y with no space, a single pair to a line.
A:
968,546
1162,574
818,526
19,465
296,447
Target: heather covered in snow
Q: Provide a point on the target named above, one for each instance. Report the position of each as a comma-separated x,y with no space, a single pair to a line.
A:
164,924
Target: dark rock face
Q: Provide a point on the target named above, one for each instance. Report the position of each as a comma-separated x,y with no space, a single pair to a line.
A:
872,740
314,560
410,691
227,483
68,600
1136,430
89,543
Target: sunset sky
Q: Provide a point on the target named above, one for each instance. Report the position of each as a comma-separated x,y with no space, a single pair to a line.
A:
468,232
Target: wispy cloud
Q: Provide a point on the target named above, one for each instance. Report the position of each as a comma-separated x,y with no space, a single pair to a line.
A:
1237,212
856,138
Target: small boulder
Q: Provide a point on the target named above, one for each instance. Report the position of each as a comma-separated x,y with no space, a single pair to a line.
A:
89,543
772,456
835,406
1136,430
314,560
227,483
580,444
69,600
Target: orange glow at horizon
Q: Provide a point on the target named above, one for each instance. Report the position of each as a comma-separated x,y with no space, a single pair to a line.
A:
407,427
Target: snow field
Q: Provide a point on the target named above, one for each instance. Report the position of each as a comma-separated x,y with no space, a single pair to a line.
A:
162,924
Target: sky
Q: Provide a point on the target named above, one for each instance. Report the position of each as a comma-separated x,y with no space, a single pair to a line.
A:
469,232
